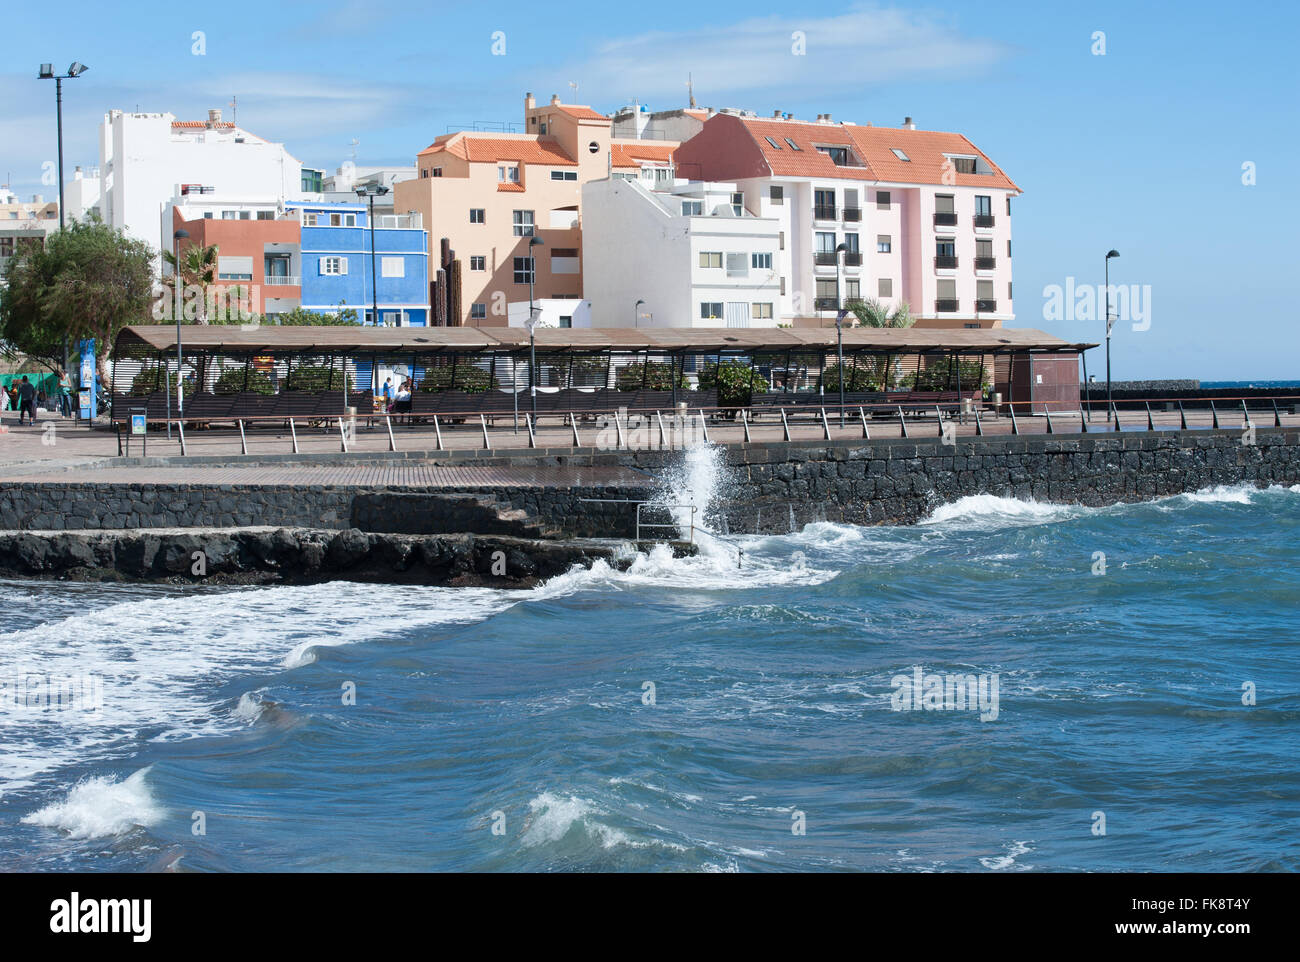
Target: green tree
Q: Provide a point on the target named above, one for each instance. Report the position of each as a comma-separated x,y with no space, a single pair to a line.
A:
196,267
87,281
871,313
655,375
863,377
314,377
231,381
735,381
469,378
941,375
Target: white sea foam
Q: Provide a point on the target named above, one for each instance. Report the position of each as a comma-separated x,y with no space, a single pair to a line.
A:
1222,494
993,511
552,818
101,807
1014,850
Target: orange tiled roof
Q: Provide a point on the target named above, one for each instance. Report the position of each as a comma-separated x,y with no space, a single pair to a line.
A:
873,148
508,185
631,154
490,148
200,124
582,113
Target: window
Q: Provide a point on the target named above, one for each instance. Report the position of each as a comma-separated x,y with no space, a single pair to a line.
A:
308,219
781,240
760,312
886,287
349,220
760,262
566,320
783,287
984,291
525,270
963,165
737,264
477,215
825,242
900,154
431,172
523,223
508,174
336,220
882,200
231,215
776,195
710,258
392,318
772,141
824,204
884,244
564,175
983,248
1008,248
851,243
839,155
234,268
827,296
477,262
692,208
266,215
738,203
333,265
946,289
1008,205
983,205
791,144
975,325
711,311
478,311
852,290
392,267
945,247
1008,290
943,204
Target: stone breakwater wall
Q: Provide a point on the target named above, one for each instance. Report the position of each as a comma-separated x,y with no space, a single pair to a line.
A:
767,488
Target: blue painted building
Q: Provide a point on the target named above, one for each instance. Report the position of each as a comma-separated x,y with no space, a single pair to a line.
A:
337,266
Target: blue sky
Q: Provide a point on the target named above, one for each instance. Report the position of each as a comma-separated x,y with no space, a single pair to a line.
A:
1140,150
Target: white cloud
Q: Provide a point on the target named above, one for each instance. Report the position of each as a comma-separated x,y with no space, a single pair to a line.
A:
865,46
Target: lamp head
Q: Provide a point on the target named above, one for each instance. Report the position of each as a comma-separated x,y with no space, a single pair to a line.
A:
638,303
841,247
77,69
181,234
1112,254
47,72
535,241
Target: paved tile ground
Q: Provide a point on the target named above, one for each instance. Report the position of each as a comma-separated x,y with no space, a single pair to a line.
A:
55,445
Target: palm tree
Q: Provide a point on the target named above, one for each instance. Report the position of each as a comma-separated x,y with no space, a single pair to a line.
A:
197,267
872,313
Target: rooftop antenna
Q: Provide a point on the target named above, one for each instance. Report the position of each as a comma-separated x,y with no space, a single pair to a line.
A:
690,90
234,109
574,85
354,151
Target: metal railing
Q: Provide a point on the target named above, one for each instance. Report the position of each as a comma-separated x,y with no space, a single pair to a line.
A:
945,261
824,212
985,263
945,219
983,220
282,281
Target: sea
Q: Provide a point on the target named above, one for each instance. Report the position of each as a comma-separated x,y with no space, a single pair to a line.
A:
1006,686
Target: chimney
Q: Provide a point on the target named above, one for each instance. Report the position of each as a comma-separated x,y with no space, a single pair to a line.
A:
214,117
828,118
776,115
907,123
529,102
555,99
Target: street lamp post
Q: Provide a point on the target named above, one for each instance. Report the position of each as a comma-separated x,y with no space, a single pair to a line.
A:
371,190
1109,403
177,237
47,73
636,313
839,321
533,241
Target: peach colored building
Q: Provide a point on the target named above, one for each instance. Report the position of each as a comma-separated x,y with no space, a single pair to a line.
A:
489,194
925,215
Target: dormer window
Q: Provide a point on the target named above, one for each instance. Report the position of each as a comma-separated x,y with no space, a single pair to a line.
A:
839,155
900,154
772,141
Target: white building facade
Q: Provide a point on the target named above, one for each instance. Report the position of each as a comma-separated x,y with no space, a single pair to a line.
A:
685,255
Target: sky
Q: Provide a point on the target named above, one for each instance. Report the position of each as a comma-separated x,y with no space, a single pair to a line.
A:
1165,131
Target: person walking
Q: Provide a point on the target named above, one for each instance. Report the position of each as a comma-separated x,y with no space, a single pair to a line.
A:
26,400
65,393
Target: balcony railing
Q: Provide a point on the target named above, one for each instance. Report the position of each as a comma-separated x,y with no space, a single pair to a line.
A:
983,220
824,258
945,262
986,307
824,212
985,263
282,281
852,258
853,213
825,304
945,305
944,220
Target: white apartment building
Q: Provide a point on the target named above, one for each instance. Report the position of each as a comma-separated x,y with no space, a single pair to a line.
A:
924,215
687,254
147,161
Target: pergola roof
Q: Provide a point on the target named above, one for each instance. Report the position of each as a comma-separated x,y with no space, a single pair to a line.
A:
357,340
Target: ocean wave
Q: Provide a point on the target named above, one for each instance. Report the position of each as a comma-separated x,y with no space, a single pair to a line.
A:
553,819
991,510
101,807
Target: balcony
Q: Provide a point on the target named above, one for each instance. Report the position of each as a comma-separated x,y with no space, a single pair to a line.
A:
282,281
985,263
942,219
945,305
983,220
824,212
825,304
853,213
986,307
824,258
852,258
945,262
